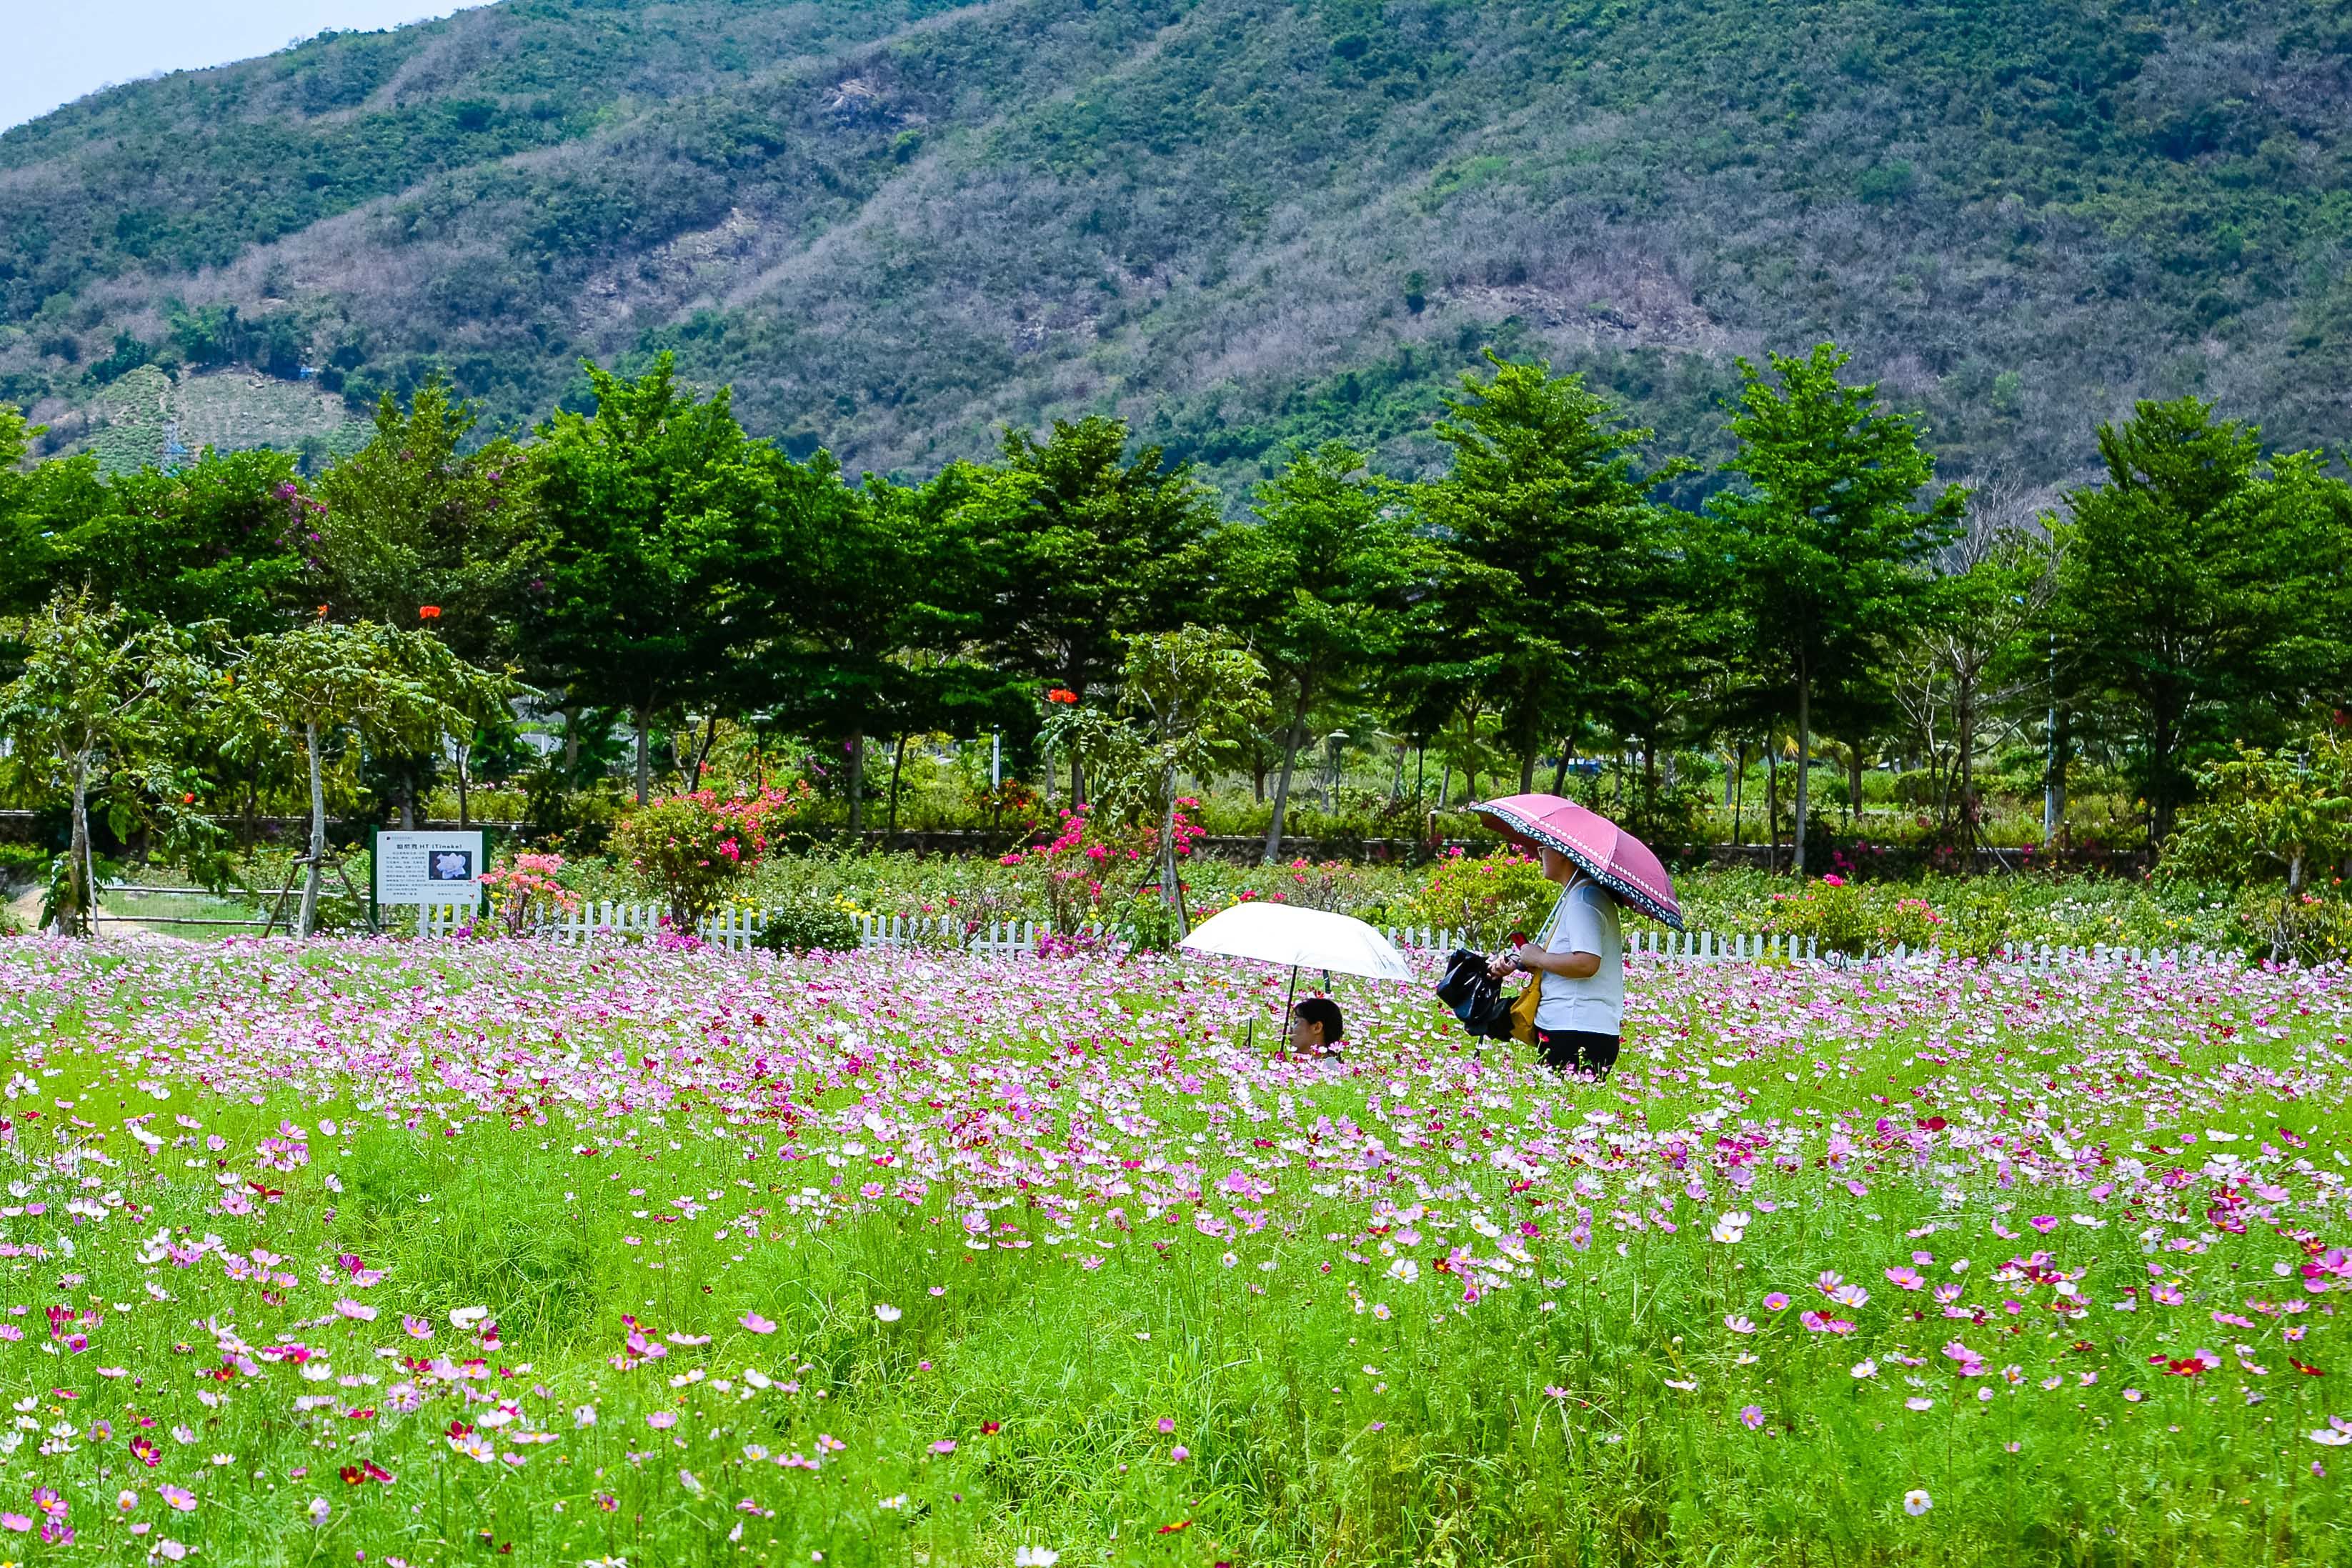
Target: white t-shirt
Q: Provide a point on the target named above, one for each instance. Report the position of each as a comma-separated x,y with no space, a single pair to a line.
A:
1586,923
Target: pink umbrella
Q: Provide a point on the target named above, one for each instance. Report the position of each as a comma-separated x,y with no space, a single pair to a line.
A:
1609,854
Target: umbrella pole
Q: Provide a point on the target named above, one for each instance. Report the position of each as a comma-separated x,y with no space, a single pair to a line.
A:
1289,1000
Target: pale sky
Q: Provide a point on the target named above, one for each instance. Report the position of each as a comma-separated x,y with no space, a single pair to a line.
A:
59,52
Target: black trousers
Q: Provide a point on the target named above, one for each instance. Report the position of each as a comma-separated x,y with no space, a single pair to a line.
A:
1576,1051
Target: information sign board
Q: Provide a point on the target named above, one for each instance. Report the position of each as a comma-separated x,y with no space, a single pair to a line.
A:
428,868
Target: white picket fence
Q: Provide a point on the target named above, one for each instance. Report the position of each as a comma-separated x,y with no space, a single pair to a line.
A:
739,930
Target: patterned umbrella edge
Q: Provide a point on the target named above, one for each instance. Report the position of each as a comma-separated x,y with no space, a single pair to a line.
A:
1625,889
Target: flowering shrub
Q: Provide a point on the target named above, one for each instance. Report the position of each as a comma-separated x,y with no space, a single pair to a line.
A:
525,889
1841,917
1064,877
688,848
1326,885
1485,900
2308,927
809,925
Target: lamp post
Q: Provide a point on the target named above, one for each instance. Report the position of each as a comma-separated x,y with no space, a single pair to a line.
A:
1333,745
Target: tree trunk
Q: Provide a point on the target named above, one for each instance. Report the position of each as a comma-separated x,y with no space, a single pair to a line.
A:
1170,888
1804,765
1855,779
572,748
1292,739
407,801
1738,790
80,899
890,816
2053,787
1527,772
1772,804
2160,792
857,781
1559,769
1470,757
1965,766
309,920
1396,778
702,752
639,717
465,803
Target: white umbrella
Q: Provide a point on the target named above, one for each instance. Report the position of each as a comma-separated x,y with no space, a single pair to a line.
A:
1301,939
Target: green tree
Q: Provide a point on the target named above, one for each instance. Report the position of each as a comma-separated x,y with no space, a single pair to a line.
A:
1316,585
1193,694
394,689
1081,546
222,540
657,511
1986,603
414,531
1822,539
2268,815
2200,590
877,605
26,553
1553,544
97,699
418,532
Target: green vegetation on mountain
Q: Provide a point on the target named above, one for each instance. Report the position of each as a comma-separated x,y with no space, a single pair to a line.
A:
1240,223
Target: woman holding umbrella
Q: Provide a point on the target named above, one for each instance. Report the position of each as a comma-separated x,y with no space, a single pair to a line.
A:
1580,1013
1579,1016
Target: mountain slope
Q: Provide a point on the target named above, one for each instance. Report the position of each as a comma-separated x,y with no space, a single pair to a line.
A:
1240,222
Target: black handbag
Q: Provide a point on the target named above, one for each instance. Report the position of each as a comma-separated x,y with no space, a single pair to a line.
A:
1475,995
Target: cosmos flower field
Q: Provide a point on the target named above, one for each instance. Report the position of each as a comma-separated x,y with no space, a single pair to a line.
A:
392,1253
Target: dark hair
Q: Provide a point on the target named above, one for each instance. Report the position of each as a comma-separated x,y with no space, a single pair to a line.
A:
1321,1011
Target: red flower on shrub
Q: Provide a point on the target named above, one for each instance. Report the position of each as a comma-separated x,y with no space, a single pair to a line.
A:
1061,695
